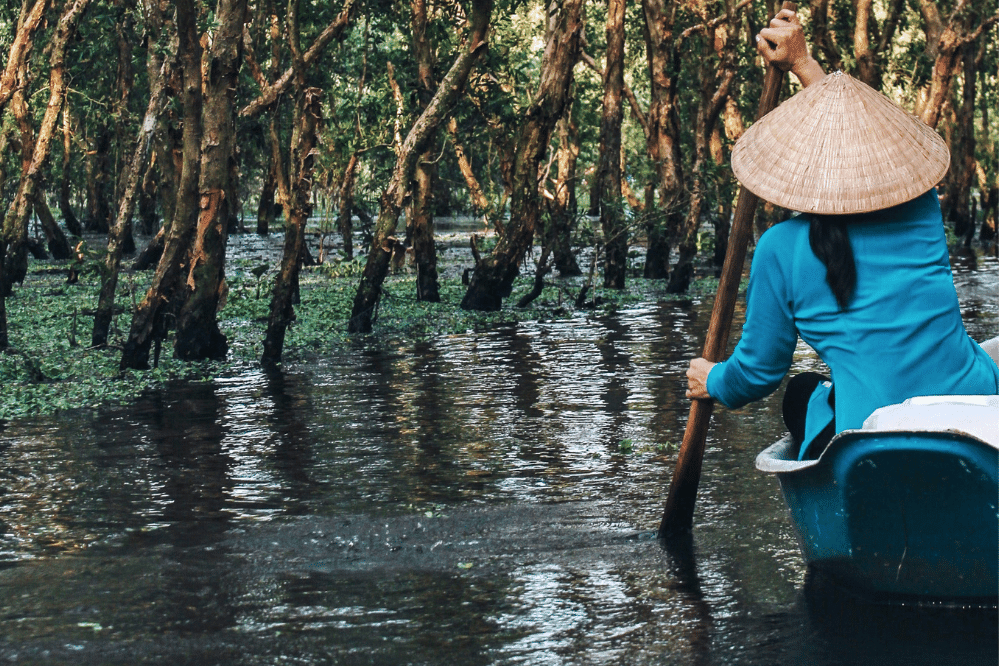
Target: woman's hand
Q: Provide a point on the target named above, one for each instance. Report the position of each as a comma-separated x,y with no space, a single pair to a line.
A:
783,44
697,379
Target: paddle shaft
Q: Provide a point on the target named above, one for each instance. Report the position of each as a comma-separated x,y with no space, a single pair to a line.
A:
678,516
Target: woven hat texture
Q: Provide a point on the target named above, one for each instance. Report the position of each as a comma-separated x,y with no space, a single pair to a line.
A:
839,147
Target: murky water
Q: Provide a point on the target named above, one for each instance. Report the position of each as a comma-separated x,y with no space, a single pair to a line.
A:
486,498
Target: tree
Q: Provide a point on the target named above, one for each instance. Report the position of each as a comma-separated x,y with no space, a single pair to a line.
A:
297,190
419,136
158,68
611,214
717,71
493,278
13,258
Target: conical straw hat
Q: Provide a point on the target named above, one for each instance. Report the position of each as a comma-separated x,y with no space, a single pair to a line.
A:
839,147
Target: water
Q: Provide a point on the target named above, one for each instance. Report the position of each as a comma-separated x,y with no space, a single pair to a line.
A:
485,498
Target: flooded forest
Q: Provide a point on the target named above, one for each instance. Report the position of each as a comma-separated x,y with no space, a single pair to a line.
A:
355,331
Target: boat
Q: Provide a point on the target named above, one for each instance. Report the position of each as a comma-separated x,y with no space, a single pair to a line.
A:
905,509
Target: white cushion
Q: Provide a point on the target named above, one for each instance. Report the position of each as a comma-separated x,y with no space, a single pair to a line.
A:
974,415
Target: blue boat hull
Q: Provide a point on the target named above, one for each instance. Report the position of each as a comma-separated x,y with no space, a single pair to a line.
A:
899,515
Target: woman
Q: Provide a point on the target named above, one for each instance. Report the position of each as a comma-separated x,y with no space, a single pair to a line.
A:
862,275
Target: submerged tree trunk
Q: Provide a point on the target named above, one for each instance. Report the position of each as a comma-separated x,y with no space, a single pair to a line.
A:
153,315
117,238
421,211
308,110
198,334
493,278
612,222
562,209
392,199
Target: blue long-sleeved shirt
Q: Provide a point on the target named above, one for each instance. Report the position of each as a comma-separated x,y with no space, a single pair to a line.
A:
902,335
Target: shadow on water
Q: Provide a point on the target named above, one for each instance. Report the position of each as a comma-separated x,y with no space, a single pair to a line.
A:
484,498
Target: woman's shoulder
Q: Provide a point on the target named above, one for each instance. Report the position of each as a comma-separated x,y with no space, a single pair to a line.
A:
784,234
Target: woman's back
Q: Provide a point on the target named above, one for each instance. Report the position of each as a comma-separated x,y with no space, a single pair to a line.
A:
902,334
900,337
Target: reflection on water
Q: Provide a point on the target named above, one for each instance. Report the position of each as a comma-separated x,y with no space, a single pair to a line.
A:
485,498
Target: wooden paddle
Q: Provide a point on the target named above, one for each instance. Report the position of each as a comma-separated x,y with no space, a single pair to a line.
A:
678,516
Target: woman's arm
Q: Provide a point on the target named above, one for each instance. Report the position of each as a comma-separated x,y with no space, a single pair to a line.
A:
783,44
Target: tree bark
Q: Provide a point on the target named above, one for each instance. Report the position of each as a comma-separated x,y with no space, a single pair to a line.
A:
345,207
335,31
54,237
16,221
267,207
154,314
21,47
562,209
99,180
611,211
480,203
421,210
117,238
663,143
822,37
308,110
392,199
493,278
65,207
957,207
944,40
198,334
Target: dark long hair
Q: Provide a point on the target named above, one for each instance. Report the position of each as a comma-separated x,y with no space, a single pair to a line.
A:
831,244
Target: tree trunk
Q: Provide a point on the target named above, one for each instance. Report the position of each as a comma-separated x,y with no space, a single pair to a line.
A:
198,334
612,222
988,182
267,207
124,32
826,50
944,41
421,217
493,278
422,132
480,203
16,221
153,315
148,217
15,227
422,221
308,110
65,207
55,239
28,23
136,169
962,160
714,92
563,207
663,144
345,207
99,181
